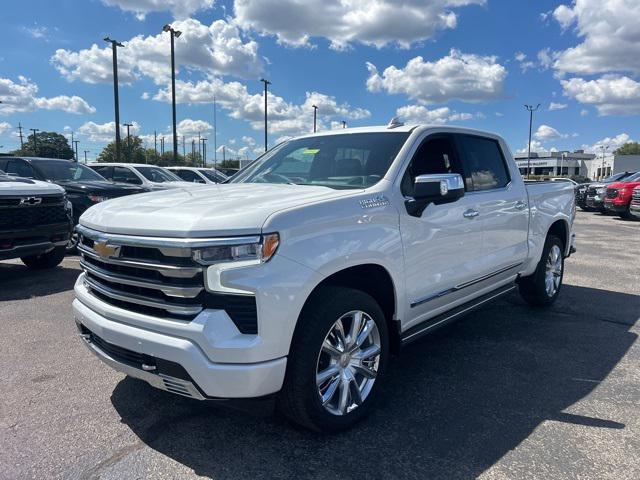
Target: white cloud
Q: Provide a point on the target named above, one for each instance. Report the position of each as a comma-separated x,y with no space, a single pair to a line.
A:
611,142
557,106
213,49
610,36
546,133
4,126
610,94
22,96
179,8
525,64
545,58
189,127
284,117
342,22
584,112
37,31
419,114
106,132
466,77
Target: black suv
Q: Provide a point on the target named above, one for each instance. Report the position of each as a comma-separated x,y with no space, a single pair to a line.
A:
84,187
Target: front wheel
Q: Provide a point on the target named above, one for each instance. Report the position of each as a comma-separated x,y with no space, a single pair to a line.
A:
45,260
542,288
337,360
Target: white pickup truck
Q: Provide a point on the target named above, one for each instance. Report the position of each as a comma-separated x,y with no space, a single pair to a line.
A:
311,267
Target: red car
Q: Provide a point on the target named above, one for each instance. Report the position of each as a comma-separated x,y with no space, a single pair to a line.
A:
617,197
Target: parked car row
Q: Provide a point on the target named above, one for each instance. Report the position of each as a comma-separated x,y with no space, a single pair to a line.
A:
618,194
82,186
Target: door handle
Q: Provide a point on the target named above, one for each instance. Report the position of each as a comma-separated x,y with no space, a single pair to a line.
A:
520,205
471,213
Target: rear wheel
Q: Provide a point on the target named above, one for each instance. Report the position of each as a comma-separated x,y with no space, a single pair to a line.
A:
542,288
337,360
45,260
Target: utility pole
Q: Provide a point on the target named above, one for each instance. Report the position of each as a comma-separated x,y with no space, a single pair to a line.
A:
224,155
114,49
85,156
155,145
215,134
183,151
204,153
266,84
35,140
199,146
20,135
74,155
128,125
76,142
174,34
162,147
315,111
193,150
530,109
604,149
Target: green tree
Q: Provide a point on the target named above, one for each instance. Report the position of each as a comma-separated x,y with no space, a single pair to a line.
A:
630,148
229,164
46,144
131,151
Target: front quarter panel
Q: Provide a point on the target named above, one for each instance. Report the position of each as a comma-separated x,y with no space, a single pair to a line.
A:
332,235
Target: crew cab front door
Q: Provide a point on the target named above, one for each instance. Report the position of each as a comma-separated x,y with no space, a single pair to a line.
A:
442,246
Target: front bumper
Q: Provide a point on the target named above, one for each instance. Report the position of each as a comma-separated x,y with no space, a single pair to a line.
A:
595,202
634,210
614,207
205,379
33,241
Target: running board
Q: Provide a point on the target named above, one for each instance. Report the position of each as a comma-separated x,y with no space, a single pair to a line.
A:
443,319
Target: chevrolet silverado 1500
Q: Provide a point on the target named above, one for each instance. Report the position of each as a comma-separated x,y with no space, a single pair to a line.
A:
303,274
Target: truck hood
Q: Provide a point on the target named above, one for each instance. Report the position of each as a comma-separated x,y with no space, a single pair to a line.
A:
99,187
629,185
24,186
207,211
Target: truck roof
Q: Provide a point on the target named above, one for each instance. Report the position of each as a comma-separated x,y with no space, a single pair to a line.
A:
398,128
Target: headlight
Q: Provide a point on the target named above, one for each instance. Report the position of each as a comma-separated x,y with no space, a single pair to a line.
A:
69,206
258,252
97,198
600,190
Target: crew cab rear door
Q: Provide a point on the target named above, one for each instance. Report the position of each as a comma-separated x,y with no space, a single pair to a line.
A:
443,245
502,204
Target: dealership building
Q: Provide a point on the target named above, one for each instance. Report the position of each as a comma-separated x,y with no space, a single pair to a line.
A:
554,164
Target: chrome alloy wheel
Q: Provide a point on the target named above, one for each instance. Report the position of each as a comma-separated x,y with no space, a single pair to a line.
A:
348,362
553,272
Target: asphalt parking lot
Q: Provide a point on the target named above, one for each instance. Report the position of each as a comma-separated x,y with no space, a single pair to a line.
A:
506,393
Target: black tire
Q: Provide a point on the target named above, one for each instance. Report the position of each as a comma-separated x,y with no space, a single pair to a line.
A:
43,261
299,400
534,288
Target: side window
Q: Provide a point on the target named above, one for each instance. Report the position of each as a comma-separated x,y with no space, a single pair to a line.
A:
106,172
124,175
435,155
20,168
188,176
484,164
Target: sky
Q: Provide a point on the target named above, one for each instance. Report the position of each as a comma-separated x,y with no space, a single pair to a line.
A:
474,63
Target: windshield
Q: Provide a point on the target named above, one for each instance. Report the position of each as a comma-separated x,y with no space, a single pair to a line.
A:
157,174
633,178
60,171
617,176
213,175
353,160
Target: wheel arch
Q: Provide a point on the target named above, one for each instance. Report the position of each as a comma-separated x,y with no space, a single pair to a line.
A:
560,228
373,279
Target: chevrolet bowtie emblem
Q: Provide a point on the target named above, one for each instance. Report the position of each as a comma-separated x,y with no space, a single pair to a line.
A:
105,250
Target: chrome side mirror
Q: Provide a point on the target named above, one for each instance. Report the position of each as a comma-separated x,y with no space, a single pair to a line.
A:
434,188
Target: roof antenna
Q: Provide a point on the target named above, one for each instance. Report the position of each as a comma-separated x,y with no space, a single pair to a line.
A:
394,123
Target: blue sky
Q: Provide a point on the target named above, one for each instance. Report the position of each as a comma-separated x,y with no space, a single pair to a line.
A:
468,62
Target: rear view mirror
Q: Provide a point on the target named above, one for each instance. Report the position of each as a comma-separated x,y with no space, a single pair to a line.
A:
435,188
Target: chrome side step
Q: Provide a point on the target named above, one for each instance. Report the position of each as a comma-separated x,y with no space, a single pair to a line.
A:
431,324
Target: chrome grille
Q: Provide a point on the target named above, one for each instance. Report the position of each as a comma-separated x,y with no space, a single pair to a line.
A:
635,196
151,279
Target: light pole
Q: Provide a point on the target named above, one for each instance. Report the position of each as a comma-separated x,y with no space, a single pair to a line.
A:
85,156
562,162
604,149
128,125
155,145
161,147
344,124
74,155
76,142
114,49
315,111
531,109
215,134
266,83
174,34
35,140
204,152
